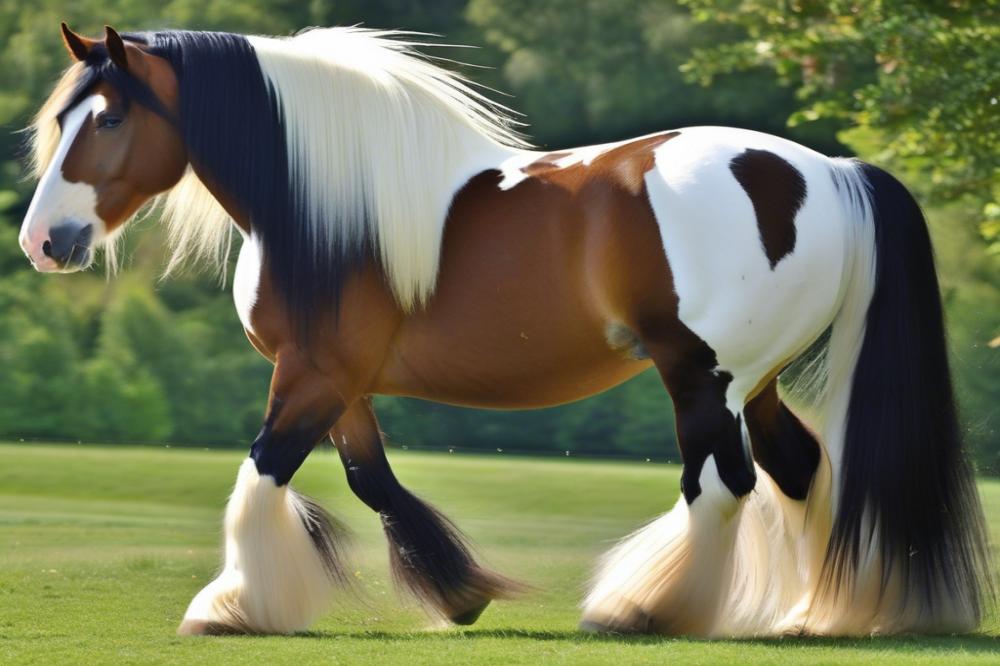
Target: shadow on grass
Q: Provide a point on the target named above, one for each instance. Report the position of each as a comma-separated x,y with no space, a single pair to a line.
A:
973,643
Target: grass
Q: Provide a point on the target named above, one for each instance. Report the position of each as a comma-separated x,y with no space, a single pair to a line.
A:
102,548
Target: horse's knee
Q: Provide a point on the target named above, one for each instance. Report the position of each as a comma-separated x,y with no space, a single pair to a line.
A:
280,454
731,471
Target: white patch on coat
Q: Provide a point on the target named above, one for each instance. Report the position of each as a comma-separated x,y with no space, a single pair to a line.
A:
723,567
57,200
246,280
753,317
512,168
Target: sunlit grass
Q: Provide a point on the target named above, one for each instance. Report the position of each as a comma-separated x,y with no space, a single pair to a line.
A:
102,548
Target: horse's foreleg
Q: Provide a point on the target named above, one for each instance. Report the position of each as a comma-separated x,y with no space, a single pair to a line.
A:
428,555
672,575
281,559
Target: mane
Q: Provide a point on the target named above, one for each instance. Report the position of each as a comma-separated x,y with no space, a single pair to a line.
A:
342,146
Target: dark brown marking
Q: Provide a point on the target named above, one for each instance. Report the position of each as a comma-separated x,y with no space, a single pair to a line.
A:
587,236
631,161
782,445
777,190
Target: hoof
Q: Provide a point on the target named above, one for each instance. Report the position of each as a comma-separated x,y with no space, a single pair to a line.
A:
206,628
634,621
468,617
595,627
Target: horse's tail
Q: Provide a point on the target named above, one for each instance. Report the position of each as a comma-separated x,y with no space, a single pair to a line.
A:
908,548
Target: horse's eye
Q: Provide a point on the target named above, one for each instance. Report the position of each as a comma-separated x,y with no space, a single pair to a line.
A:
108,121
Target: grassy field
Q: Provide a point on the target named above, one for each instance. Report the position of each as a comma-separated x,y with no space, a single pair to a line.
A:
101,549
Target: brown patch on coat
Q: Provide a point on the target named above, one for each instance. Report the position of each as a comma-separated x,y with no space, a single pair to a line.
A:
777,190
624,165
587,238
545,162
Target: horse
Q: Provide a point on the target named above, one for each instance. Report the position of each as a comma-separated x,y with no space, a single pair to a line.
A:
401,237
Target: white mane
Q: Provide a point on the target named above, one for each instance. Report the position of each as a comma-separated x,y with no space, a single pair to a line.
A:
379,139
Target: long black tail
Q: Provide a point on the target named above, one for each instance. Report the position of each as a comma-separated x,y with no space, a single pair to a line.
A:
907,498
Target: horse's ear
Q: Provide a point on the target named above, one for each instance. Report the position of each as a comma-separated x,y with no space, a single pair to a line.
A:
116,47
77,46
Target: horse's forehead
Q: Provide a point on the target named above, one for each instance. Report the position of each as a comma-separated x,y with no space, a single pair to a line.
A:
74,118
99,94
71,159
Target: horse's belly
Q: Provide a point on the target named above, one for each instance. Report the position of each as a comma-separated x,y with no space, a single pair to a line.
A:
502,390
505,365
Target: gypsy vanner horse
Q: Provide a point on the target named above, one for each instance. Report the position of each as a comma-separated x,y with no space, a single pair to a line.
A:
400,238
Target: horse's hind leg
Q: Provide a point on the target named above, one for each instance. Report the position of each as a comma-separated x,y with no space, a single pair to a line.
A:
782,445
671,576
428,555
794,494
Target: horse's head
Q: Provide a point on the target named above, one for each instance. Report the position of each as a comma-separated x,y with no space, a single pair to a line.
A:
106,142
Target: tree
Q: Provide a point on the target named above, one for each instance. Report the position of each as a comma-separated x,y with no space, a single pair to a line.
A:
586,72
121,399
919,79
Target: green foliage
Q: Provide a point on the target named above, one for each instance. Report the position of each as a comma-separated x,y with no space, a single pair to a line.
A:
90,359
135,359
597,71
922,76
972,303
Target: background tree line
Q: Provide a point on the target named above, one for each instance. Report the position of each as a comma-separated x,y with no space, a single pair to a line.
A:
910,85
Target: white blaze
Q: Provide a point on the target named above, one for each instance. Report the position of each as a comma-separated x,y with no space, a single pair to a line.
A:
56,199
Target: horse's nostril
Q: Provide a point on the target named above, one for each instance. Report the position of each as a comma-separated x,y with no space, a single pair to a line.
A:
69,244
86,233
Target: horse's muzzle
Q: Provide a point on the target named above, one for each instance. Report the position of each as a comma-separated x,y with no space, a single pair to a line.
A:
68,246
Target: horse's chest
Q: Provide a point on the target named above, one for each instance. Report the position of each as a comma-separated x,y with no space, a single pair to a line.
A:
246,281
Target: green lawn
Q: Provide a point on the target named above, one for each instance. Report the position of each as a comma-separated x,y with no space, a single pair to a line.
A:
102,548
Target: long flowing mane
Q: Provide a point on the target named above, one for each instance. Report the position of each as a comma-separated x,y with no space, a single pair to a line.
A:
341,145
